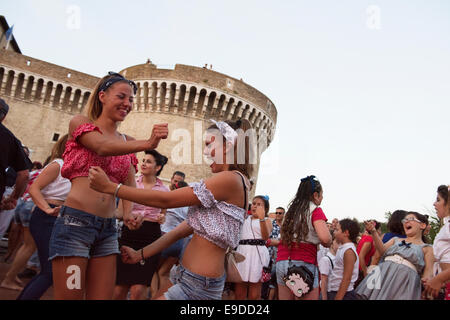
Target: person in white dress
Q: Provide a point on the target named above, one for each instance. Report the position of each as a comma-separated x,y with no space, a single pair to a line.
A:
255,231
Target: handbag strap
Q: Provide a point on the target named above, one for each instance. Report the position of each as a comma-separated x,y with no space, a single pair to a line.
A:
251,227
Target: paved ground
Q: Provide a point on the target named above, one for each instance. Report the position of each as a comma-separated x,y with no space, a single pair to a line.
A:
6,294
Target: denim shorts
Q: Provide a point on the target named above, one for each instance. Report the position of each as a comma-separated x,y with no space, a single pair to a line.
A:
283,265
190,286
80,234
22,213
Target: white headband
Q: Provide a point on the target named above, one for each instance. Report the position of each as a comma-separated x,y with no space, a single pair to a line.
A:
228,132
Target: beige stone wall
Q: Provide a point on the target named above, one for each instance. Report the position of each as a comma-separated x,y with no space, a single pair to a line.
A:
44,97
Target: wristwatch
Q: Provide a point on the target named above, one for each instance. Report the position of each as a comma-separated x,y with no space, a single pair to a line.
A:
262,220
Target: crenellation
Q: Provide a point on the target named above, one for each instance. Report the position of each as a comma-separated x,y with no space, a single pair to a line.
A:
182,97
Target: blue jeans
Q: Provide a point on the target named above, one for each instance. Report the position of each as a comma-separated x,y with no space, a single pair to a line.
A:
190,286
283,265
22,214
80,234
41,226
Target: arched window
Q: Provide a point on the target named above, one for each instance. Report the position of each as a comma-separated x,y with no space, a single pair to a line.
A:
29,87
19,85
57,97
76,101
191,101
39,87
181,96
172,93
210,105
201,102
48,92
66,99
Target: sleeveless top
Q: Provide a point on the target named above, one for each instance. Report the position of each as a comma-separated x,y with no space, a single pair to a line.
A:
59,188
78,159
216,221
409,251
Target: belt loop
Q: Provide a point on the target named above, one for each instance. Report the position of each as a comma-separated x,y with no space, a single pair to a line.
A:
61,211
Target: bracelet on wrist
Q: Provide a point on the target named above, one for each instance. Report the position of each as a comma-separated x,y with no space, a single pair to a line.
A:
142,262
117,190
263,219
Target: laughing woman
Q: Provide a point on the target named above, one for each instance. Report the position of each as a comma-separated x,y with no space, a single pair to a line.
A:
216,214
83,245
403,263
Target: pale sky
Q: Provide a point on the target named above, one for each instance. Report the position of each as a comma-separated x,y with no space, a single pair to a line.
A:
362,88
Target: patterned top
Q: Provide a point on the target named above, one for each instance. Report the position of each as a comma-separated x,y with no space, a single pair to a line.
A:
31,177
216,221
275,234
78,159
149,213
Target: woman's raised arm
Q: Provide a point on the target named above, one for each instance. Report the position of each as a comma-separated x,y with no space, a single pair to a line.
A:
224,186
103,146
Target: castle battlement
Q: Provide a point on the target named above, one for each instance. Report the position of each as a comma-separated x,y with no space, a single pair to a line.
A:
44,97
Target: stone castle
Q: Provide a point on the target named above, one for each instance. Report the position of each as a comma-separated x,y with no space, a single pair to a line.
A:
43,97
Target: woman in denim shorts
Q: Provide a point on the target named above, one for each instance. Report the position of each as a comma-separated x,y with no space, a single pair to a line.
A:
303,229
217,207
83,244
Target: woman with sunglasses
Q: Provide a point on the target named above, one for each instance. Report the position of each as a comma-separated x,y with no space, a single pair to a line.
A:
83,245
403,263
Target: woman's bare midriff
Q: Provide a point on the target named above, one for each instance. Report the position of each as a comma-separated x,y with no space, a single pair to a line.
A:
83,198
55,202
204,258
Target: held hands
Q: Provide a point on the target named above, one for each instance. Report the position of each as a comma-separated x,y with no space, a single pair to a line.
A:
161,218
129,255
431,287
159,131
133,221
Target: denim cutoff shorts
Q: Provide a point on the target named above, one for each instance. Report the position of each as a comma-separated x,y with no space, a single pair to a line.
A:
283,265
190,286
22,213
80,234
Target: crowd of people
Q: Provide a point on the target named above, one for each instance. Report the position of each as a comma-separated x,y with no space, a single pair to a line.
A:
102,231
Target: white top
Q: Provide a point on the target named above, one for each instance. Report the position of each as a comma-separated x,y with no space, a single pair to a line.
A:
322,252
59,188
335,279
441,246
325,265
256,257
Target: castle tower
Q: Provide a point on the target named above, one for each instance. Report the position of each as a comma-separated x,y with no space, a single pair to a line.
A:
44,97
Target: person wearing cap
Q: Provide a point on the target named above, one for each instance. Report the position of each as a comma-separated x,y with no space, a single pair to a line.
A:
12,155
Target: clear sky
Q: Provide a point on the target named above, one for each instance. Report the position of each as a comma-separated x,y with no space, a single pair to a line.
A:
362,88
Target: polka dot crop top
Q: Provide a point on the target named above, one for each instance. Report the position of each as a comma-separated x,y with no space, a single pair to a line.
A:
78,159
